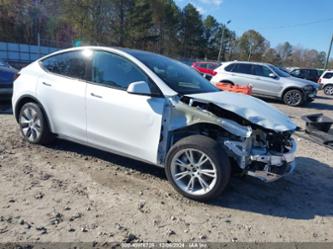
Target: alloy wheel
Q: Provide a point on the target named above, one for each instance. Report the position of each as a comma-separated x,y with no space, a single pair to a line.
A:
328,90
193,172
30,123
293,97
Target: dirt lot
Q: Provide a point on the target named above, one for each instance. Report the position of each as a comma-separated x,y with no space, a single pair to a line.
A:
68,192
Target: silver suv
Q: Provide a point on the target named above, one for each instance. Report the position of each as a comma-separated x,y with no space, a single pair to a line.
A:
267,81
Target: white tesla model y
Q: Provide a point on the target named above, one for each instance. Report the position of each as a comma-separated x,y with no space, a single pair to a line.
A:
152,108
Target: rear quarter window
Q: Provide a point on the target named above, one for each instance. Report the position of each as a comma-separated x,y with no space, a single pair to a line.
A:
230,67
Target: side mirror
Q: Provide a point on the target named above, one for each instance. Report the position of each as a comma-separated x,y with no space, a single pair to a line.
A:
273,76
139,87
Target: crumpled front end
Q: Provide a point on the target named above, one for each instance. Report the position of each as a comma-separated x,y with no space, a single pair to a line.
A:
265,154
258,151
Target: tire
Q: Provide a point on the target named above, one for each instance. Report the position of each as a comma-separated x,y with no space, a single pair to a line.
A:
293,97
328,90
215,169
33,124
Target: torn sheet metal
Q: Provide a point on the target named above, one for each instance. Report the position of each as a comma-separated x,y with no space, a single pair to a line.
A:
254,110
185,115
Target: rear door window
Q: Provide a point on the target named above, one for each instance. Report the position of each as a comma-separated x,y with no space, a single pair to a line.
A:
243,68
313,73
72,64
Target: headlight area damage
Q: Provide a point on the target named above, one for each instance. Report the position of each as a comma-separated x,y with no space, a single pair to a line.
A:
257,150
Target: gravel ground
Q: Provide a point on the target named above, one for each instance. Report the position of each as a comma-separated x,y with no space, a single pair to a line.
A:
68,193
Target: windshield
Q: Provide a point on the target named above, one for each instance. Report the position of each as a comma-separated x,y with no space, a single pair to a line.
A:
178,76
278,71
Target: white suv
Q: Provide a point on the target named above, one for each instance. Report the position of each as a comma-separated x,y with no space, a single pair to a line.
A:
267,81
154,109
326,82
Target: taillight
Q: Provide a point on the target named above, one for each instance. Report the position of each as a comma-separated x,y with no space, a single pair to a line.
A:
214,73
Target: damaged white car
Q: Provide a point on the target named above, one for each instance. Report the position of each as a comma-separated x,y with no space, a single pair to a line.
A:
154,109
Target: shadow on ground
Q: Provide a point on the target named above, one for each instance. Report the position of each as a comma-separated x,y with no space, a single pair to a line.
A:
305,194
109,157
315,105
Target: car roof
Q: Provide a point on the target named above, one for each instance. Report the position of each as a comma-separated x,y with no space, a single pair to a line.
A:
304,68
206,62
249,62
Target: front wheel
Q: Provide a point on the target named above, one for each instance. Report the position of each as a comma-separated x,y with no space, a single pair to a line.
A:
293,97
198,168
328,89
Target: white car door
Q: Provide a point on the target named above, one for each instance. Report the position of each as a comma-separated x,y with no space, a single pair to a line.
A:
61,89
118,121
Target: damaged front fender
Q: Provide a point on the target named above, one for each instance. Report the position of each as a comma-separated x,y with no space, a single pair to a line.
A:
183,115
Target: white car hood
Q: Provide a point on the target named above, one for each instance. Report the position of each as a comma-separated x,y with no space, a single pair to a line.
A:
252,109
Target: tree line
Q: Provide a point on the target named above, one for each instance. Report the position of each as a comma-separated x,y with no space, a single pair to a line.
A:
159,26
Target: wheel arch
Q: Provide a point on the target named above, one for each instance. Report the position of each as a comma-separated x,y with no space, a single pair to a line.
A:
327,85
26,99
204,128
227,81
291,88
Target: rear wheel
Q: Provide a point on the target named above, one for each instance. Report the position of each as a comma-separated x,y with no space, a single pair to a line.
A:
33,124
293,97
198,168
328,89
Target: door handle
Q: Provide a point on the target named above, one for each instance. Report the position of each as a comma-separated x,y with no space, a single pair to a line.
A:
96,96
47,84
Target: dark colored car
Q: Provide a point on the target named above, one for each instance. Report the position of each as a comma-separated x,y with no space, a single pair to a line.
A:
7,76
206,68
306,73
